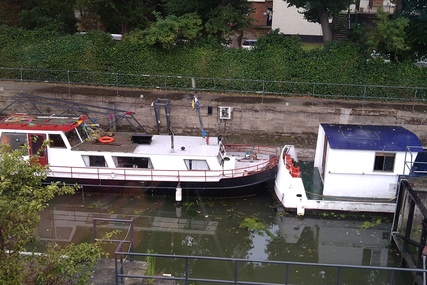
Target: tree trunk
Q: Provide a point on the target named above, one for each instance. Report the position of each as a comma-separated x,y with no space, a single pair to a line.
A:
324,22
399,7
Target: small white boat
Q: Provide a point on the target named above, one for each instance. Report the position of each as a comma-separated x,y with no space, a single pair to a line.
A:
145,163
359,166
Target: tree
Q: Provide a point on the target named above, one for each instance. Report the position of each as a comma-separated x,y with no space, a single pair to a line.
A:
416,31
50,15
9,12
220,18
117,16
22,196
166,32
320,11
387,37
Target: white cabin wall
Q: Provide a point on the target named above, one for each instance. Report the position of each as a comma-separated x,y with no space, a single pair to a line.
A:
291,22
64,157
350,173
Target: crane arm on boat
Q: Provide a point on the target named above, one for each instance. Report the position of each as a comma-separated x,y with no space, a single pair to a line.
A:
196,105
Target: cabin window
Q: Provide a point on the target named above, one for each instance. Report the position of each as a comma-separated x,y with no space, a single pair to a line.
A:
94,160
132,162
15,140
73,137
384,161
55,140
196,164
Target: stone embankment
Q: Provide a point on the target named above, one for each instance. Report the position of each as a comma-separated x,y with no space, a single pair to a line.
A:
270,120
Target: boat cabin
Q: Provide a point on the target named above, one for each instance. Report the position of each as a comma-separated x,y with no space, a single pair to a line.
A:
362,161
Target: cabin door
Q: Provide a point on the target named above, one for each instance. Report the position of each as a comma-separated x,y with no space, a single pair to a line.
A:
35,142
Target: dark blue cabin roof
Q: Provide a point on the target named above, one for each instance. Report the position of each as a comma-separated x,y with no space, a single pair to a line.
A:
368,137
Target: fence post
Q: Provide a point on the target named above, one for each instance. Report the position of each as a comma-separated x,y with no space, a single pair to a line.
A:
287,274
94,230
312,93
363,98
165,87
186,270
236,270
20,72
68,80
415,98
131,239
117,84
339,275
263,91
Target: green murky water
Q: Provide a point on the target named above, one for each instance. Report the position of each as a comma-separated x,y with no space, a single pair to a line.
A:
247,228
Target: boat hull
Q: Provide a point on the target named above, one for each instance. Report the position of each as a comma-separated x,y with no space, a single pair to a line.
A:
228,187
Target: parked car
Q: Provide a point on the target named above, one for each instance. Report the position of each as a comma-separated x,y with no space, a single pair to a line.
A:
248,44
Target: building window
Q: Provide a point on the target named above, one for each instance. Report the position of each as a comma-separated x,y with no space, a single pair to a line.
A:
384,161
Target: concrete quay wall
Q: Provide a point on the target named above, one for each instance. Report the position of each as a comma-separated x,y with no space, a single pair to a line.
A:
254,118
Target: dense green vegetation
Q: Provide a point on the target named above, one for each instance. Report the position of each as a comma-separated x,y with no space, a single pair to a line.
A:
338,62
275,58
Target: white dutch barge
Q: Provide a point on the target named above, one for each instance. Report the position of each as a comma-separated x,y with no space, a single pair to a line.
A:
359,166
144,163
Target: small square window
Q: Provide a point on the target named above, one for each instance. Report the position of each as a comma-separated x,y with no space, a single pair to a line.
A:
384,161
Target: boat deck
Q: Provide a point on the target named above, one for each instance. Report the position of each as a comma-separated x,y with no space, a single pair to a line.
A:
159,145
122,142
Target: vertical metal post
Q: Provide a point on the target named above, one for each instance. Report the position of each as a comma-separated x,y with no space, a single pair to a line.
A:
122,270
339,275
94,230
20,72
391,277
364,94
236,270
312,93
409,226
263,91
287,274
117,84
165,86
68,80
422,244
399,205
116,269
415,98
131,239
186,270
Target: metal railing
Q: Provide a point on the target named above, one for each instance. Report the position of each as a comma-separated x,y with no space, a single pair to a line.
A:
286,272
316,90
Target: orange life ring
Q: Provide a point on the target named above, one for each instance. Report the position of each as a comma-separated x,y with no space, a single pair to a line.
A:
106,139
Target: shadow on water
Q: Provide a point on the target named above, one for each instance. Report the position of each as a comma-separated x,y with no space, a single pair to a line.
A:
219,228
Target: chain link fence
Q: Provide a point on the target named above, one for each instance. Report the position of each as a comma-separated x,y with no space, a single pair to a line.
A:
315,90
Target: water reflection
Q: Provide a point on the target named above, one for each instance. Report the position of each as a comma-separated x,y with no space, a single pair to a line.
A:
210,227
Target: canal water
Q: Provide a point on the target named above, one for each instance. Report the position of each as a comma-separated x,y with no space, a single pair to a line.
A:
251,228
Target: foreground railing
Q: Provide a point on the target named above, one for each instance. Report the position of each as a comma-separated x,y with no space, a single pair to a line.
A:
235,271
